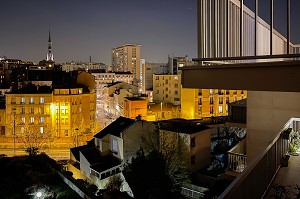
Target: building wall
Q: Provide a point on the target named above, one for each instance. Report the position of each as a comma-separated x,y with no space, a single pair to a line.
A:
213,27
167,88
28,116
73,110
84,166
142,72
56,116
201,150
267,112
2,122
151,69
134,108
200,103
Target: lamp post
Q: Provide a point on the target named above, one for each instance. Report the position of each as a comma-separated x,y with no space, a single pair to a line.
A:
14,115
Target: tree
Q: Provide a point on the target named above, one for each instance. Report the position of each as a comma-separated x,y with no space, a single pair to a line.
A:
147,176
112,189
33,141
174,149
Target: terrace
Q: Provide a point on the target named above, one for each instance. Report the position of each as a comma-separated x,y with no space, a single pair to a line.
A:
273,99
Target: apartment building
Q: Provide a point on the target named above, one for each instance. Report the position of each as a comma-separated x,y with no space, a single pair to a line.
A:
201,103
167,88
127,58
60,112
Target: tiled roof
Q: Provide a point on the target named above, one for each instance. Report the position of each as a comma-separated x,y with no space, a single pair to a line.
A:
116,127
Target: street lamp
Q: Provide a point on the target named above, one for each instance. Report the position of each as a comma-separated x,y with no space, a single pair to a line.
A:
39,194
14,113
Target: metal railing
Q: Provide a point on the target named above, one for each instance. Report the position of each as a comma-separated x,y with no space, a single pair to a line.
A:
237,162
237,158
255,180
192,191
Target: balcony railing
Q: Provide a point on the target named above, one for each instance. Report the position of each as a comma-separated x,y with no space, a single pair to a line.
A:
237,162
237,158
256,178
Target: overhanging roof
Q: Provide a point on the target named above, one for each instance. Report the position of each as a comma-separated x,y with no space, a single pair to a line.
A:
256,76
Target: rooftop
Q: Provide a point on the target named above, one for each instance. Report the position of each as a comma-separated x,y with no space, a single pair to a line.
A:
135,98
75,151
31,89
92,155
182,126
116,127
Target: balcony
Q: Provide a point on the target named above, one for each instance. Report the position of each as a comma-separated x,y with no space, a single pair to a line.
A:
254,181
237,159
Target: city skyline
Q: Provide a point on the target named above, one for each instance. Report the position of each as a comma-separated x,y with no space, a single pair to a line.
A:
80,30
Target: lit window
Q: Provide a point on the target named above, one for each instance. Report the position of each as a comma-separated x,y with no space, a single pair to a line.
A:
23,120
220,109
23,100
41,130
42,120
31,120
42,100
31,101
211,91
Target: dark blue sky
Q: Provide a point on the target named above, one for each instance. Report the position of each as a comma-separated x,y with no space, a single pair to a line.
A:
92,28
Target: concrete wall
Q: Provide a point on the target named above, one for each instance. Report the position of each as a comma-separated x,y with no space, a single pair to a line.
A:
267,112
84,166
201,150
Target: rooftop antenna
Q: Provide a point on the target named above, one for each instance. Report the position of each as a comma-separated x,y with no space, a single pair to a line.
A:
90,59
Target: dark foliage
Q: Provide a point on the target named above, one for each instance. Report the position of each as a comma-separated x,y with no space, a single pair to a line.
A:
147,176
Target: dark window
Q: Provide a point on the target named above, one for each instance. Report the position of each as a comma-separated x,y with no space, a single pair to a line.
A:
221,100
211,100
200,101
200,92
193,142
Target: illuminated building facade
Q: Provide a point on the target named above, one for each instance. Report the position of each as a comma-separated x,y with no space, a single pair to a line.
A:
62,113
134,107
200,103
167,88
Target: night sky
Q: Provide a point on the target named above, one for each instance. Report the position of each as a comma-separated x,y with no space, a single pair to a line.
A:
80,29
